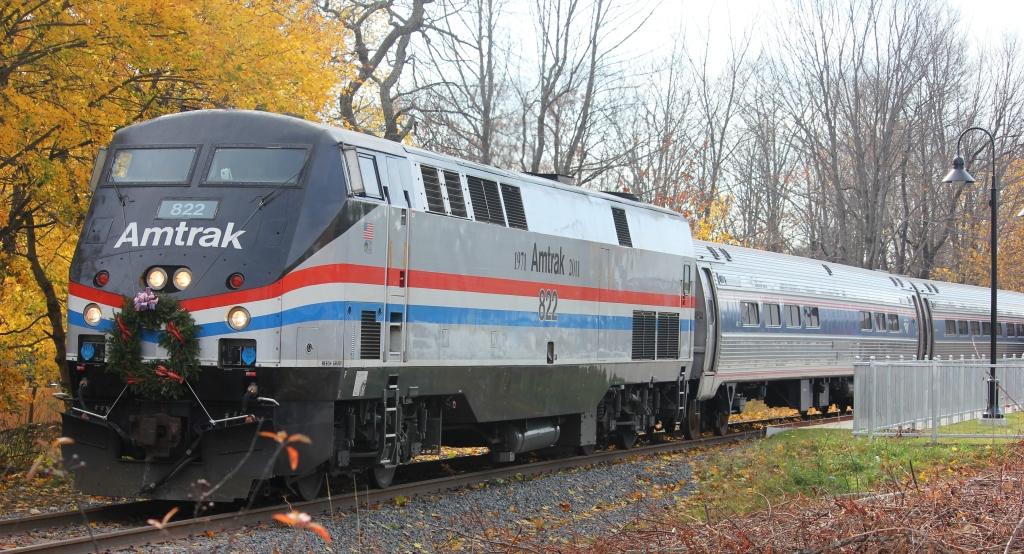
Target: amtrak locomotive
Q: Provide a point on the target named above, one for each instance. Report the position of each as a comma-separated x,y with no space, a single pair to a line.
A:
383,301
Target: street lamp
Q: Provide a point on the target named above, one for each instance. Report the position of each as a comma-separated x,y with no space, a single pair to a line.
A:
958,175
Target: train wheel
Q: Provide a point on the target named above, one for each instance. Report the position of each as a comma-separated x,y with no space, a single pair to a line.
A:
585,450
691,423
720,420
625,439
719,410
381,476
308,487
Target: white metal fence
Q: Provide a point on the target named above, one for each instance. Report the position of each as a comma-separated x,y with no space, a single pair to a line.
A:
919,396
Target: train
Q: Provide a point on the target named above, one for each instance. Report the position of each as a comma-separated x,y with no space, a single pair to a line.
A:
375,301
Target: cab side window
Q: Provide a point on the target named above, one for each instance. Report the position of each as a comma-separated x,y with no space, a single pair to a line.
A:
371,177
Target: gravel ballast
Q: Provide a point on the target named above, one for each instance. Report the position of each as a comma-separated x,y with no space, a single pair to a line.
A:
567,506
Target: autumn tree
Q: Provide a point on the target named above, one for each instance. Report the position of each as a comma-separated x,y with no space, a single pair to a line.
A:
74,71
376,97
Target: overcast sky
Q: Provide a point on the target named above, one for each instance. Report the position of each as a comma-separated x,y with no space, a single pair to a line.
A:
984,21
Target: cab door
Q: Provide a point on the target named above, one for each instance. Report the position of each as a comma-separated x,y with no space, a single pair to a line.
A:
396,264
375,330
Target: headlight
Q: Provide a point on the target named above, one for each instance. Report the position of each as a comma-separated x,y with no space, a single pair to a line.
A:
182,278
92,314
156,278
238,318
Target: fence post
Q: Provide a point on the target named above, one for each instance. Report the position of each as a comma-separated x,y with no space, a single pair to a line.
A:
874,398
933,402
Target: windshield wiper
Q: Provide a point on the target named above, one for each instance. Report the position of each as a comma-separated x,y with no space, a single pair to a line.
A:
274,193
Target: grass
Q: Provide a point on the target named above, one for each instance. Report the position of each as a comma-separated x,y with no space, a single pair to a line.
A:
816,462
1014,426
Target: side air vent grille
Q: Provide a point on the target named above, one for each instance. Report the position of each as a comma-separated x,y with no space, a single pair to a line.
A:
486,200
455,197
369,336
432,187
644,330
494,203
668,335
514,206
621,227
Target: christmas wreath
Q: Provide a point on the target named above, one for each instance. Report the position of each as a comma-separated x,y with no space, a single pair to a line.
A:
149,313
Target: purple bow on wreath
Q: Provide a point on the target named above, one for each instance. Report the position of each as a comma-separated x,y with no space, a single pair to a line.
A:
145,300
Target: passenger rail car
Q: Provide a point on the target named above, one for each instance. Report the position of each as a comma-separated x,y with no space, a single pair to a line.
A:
960,320
788,329
378,298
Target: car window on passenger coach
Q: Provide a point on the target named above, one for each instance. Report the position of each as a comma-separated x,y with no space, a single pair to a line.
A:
750,314
811,317
167,166
792,315
865,321
256,165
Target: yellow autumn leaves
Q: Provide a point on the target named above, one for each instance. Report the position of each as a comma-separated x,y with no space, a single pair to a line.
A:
74,71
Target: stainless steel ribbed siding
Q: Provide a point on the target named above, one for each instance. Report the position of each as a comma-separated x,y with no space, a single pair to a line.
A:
971,303
764,353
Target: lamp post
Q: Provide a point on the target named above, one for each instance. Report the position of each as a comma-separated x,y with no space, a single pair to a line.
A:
958,175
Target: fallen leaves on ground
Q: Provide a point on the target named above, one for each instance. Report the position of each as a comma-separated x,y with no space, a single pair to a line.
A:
971,509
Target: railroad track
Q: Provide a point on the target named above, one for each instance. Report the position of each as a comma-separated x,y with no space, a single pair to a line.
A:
75,517
228,520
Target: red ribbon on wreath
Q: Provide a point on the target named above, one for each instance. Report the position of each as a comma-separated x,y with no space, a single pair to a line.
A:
175,332
162,371
126,333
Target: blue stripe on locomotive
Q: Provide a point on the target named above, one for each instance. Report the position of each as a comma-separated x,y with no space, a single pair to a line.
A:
341,311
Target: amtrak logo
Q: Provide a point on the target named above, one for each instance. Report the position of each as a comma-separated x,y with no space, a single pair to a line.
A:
182,235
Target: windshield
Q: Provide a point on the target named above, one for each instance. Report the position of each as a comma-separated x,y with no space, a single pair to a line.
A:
256,165
152,165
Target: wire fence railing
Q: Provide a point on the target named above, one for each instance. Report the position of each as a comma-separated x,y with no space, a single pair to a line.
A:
929,397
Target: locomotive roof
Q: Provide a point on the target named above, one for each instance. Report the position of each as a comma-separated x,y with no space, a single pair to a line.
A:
284,128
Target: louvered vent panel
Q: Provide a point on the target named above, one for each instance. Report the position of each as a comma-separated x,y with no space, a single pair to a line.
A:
455,197
369,336
497,213
514,206
644,324
668,335
432,186
477,197
622,227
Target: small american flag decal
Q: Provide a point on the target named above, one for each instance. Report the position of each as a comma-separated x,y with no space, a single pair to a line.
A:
368,231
